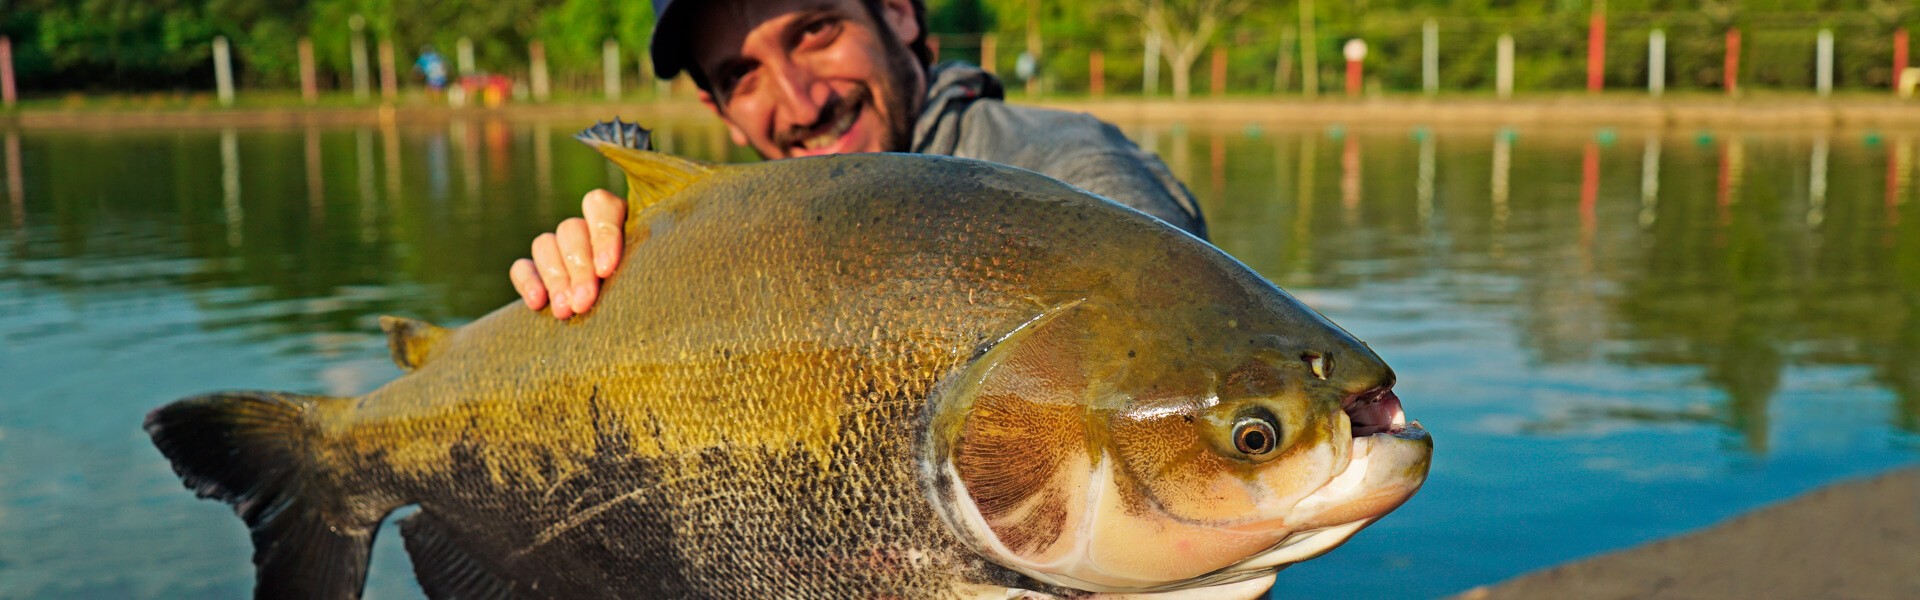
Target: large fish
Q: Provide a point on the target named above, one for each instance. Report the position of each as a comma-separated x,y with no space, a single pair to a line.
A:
882,375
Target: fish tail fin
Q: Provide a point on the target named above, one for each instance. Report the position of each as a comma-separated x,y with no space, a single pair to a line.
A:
256,451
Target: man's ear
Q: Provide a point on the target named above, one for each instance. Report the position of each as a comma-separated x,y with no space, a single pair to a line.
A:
901,19
739,137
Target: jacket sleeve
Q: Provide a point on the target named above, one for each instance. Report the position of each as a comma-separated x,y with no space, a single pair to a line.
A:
1080,150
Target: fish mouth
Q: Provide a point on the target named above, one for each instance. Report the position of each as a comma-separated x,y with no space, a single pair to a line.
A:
1386,463
1375,411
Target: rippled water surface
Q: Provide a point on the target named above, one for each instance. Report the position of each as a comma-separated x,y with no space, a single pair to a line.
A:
1614,336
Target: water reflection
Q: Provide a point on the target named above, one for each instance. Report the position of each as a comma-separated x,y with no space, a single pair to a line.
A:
16,183
1650,182
1423,182
1711,272
1740,293
1498,195
1817,182
369,213
1733,166
1743,300
316,185
230,187
1899,168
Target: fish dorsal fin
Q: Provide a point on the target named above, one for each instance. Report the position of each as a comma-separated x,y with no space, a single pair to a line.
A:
651,176
413,342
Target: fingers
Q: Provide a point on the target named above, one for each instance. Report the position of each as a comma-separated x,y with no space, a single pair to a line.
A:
553,272
606,216
575,251
527,281
569,263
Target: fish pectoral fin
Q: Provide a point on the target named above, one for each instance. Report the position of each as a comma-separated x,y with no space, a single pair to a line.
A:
256,451
443,565
413,342
651,176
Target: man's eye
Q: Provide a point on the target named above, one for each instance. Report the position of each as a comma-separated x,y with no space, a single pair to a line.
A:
734,76
819,32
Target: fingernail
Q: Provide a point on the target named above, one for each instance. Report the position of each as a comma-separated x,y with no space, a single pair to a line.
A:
583,293
600,261
559,299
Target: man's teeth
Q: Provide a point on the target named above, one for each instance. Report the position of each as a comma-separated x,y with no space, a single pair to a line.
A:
828,137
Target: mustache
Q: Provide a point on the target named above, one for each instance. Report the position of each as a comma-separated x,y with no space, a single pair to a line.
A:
836,107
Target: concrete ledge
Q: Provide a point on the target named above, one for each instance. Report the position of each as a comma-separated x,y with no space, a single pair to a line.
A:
1859,539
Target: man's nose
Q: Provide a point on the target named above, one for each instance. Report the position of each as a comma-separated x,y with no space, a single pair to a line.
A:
795,88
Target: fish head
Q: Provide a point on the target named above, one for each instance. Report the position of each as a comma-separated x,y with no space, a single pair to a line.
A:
1146,437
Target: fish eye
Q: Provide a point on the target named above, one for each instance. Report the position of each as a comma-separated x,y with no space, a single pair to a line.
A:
1255,436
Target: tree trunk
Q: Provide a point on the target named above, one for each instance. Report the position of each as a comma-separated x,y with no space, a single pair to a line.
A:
1182,76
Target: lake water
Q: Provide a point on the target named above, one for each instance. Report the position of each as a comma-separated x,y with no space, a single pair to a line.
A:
1613,336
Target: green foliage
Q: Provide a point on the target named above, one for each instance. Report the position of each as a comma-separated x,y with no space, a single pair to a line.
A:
147,44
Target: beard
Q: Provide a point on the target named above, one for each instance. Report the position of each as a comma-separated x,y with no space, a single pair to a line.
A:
905,86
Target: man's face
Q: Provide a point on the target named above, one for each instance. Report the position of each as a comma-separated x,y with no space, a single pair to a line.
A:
811,77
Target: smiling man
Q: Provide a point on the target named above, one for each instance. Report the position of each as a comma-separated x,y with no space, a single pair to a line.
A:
794,78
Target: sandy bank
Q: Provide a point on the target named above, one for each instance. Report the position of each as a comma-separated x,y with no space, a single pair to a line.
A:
1568,111
1859,539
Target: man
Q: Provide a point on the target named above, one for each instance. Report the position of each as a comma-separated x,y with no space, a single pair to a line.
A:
432,68
795,78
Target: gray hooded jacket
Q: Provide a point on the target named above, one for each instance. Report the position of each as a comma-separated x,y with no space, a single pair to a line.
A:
965,117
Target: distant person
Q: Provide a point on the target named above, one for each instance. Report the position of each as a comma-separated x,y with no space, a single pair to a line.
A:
433,68
794,78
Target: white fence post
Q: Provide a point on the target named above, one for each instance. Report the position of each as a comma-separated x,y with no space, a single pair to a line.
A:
1150,69
1503,71
1657,63
463,49
537,56
1430,57
610,56
362,81
223,70
1823,72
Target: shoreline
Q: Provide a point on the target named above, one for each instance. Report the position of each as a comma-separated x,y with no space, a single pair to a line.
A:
1853,539
1547,112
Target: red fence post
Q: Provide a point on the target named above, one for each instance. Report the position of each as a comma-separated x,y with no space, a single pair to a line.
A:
1596,49
309,76
1899,56
389,75
1733,61
1219,71
1097,70
1355,52
6,72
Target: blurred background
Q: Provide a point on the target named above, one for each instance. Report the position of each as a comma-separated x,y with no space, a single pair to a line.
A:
1635,284
161,51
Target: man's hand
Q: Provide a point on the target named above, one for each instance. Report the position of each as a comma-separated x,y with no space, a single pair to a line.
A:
560,270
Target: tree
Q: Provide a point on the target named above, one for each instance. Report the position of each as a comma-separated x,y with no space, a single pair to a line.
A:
1184,28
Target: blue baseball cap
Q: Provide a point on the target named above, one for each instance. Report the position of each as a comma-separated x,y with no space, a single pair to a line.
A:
667,44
